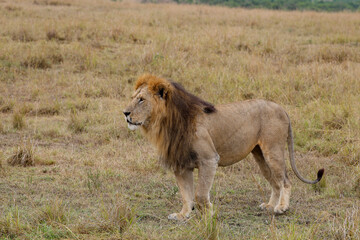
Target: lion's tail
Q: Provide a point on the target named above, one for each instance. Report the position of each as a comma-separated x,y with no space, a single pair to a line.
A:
292,160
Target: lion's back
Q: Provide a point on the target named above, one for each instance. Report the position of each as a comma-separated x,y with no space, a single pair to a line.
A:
236,128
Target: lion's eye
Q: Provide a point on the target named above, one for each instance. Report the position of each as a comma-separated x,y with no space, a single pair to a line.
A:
141,100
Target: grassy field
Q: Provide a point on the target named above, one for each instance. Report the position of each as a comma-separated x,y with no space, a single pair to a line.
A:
67,69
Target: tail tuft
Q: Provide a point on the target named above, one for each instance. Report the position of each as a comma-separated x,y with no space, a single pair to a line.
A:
320,174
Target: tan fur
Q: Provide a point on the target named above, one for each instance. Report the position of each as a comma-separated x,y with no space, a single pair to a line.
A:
191,133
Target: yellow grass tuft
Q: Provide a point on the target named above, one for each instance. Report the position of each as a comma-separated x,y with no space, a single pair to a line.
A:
117,217
77,124
22,35
53,212
23,156
39,58
37,62
50,108
12,224
207,226
6,106
18,121
54,35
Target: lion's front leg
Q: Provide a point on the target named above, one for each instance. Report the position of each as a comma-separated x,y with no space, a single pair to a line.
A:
207,170
185,183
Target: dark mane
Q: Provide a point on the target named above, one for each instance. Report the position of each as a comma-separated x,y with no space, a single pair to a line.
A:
173,123
206,106
180,126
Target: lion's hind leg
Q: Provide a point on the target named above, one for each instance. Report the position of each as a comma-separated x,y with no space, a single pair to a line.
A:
266,171
280,183
284,199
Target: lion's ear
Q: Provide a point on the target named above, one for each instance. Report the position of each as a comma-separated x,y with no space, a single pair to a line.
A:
160,87
161,90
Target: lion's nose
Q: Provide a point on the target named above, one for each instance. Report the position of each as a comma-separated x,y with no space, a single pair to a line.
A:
126,114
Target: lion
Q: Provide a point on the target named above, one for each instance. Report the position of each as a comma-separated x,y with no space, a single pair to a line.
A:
190,133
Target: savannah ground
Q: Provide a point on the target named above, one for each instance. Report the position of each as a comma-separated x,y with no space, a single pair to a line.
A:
67,69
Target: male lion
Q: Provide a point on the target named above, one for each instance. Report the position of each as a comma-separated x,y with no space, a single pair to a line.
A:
191,133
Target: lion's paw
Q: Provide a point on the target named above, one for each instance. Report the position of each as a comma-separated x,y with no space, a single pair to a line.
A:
262,206
265,206
206,209
280,209
177,217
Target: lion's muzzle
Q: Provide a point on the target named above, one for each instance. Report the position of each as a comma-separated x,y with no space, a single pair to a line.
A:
131,125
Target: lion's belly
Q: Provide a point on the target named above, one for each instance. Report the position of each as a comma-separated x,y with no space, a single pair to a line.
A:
235,131
234,151
229,160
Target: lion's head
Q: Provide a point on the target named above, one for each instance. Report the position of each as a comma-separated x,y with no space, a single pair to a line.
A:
167,115
148,101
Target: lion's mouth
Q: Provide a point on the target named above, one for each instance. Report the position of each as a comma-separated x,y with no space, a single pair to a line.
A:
133,126
133,123
130,122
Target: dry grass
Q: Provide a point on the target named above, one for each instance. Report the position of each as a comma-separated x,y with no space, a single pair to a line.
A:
6,106
11,224
22,35
347,227
49,109
67,69
2,128
77,124
116,218
54,212
24,156
42,60
18,121
206,227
